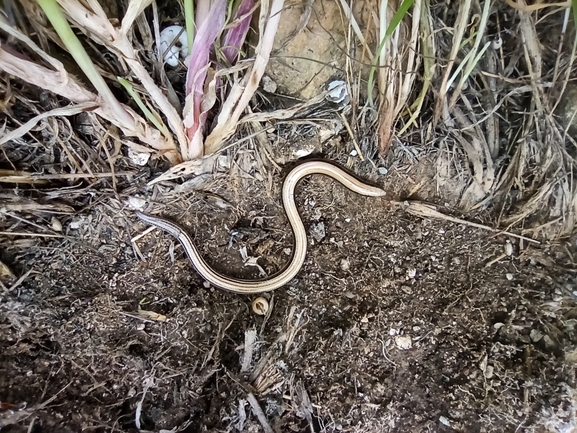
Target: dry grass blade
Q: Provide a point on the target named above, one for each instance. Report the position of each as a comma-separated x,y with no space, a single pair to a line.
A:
472,57
462,22
58,82
242,91
537,6
425,210
135,8
428,50
6,27
61,83
353,22
97,25
398,62
65,111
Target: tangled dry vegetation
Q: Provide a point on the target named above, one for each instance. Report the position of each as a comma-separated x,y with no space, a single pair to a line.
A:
466,109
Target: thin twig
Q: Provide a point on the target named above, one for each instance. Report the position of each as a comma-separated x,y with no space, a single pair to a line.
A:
40,235
259,413
429,211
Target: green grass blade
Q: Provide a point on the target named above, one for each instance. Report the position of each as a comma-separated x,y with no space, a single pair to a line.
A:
189,21
54,14
153,117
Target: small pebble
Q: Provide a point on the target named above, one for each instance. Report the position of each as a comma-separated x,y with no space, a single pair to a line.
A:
403,342
317,231
535,335
301,153
136,203
138,158
509,248
337,92
56,224
268,84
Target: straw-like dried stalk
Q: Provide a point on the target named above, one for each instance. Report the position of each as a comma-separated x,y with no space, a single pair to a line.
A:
95,23
60,83
398,63
242,91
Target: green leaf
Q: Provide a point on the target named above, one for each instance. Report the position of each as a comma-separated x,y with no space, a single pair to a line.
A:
56,17
189,21
152,116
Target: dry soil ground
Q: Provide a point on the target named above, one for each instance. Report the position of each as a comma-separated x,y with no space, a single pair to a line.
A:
395,323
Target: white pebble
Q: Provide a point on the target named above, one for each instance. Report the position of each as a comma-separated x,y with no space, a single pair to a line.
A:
403,342
56,224
136,203
138,158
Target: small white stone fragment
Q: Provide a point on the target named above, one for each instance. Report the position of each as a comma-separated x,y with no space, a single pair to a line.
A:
509,248
138,158
510,277
403,342
268,84
383,170
353,153
317,231
136,203
535,335
301,153
345,264
77,223
56,224
411,273
444,421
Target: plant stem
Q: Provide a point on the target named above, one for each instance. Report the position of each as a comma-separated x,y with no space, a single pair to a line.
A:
189,20
58,20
